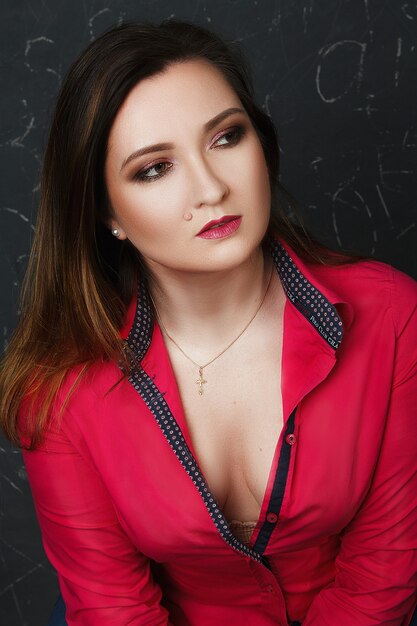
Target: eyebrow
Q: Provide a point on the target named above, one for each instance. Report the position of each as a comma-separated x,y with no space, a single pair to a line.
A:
220,117
159,147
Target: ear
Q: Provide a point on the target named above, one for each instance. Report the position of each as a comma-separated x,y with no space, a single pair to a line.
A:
115,229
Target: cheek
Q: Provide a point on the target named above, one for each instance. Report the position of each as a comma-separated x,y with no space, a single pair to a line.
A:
257,178
148,210
261,168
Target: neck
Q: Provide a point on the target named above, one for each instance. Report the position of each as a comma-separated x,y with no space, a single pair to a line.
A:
218,302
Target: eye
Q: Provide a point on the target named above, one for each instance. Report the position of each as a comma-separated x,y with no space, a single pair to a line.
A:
230,137
153,172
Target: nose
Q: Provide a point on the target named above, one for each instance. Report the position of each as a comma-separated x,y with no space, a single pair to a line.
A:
209,186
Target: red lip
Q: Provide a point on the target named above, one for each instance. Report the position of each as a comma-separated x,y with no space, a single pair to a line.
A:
220,220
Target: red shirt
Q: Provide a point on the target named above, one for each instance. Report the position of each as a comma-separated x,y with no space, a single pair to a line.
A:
128,520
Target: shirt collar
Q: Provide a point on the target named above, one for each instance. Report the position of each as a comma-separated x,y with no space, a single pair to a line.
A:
314,301
303,286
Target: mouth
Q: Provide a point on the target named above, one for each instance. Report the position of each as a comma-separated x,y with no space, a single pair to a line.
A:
221,227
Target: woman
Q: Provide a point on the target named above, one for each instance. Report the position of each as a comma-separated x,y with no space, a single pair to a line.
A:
217,413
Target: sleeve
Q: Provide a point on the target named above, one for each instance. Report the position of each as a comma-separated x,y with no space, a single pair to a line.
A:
376,569
103,578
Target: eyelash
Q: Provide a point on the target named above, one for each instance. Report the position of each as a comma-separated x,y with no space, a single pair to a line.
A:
237,132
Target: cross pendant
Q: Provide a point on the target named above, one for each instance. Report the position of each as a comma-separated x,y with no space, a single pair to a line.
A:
200,381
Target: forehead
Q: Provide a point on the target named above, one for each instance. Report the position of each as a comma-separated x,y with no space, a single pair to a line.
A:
184,96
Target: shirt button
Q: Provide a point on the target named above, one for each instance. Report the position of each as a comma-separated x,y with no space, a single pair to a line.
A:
272,518
291,439
270,589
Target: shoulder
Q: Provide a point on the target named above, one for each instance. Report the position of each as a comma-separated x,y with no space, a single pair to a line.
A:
379,306
90,377
369,286
84,393
372,290
92,410
374,285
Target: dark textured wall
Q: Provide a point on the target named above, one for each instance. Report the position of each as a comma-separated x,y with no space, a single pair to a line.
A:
339,79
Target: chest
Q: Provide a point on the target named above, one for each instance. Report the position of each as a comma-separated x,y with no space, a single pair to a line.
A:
234,425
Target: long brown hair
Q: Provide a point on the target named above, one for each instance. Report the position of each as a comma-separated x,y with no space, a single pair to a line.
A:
79,278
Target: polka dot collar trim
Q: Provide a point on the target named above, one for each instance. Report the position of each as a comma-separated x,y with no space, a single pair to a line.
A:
311,303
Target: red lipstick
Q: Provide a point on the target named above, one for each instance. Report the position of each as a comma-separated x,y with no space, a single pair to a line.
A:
222,227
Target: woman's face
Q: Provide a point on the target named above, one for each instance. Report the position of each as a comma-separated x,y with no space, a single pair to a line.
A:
181,153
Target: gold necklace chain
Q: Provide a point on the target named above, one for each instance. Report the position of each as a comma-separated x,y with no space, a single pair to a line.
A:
201,381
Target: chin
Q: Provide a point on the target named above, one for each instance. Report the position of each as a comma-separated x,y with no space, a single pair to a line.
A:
227,257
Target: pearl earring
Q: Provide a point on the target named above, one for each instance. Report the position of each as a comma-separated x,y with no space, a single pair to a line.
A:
115,232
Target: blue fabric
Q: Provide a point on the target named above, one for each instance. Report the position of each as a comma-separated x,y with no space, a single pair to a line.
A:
58,614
